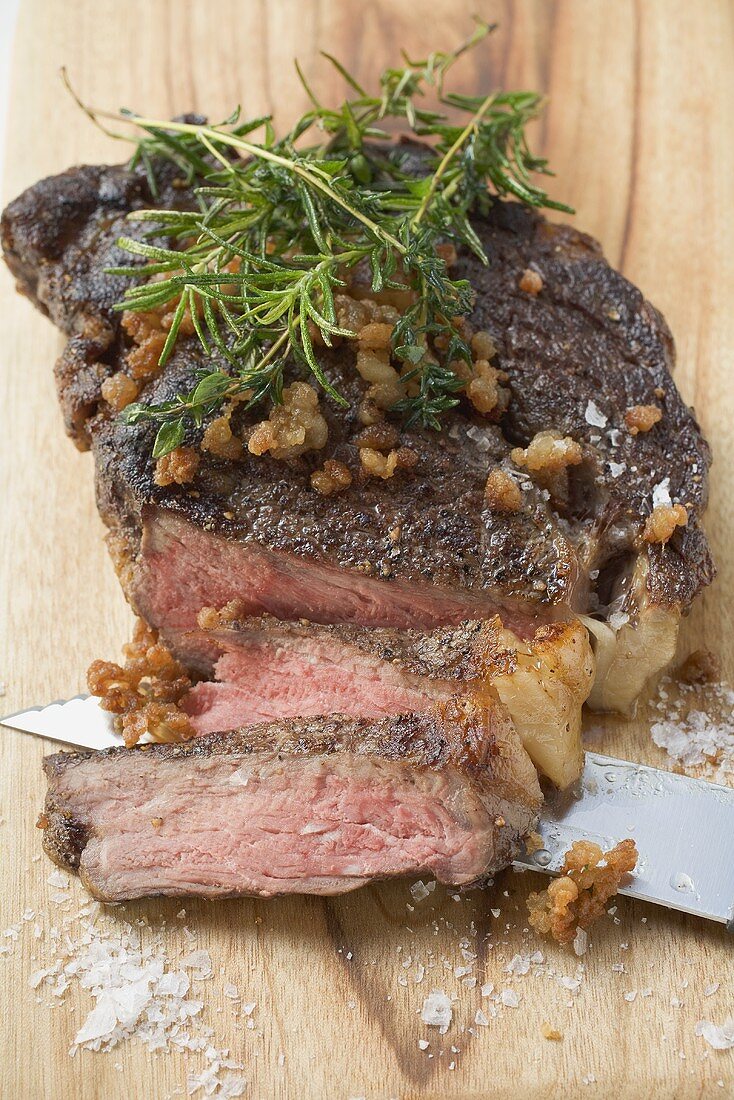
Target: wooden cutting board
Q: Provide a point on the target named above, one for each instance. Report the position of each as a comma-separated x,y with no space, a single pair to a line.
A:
639,130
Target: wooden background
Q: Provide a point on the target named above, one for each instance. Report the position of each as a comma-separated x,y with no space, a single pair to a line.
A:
639,129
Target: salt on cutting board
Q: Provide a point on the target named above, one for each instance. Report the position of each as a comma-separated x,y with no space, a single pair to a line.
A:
350,991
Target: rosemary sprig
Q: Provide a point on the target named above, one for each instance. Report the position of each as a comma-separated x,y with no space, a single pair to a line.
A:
278,223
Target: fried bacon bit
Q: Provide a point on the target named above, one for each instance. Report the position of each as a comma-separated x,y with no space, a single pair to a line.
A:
143,693
212,618
381,437
588,880
548,452
333,477
531,282
292,428
502,492
662,522
368,413
552,1033
148,330
178,467
219,440
118,391
148,336
484,390
533,843
483,346
376,334
375,464
700,667
374,365
640,418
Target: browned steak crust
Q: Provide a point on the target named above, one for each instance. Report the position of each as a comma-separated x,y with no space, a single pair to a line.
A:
588,336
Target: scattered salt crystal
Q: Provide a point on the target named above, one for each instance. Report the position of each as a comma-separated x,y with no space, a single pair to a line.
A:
58,879
594,415
461,971
437,1011
616,469
661,493
509,998
580,942
487,989
199,961
518,964
646,992
248,1009
495,912
718,1037
571,984
709,990
618,619
423,1044
29,914
421,890
230,991
631,995
481,1019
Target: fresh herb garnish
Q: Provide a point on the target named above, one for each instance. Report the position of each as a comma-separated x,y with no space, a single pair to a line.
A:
278,223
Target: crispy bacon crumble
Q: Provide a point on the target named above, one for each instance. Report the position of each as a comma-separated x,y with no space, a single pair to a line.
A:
144,692
589,878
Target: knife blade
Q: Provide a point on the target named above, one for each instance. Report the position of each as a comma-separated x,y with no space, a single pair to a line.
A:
683,827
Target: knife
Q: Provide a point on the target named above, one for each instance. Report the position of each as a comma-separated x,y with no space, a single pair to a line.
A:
683,827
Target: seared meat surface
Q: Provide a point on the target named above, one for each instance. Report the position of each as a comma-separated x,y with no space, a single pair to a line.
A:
320,806
425,549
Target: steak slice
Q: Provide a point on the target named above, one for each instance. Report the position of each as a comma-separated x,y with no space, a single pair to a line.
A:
320,806
272,670
424,549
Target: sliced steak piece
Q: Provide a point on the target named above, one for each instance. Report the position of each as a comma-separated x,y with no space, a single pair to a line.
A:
424,549
273,670
320,806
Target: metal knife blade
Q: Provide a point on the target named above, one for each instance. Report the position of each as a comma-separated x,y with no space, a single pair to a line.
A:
683,827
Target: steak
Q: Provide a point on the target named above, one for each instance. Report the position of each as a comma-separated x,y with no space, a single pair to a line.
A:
423,550
273,670
312,806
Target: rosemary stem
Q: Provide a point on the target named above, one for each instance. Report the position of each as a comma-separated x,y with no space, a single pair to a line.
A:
449,156
315,178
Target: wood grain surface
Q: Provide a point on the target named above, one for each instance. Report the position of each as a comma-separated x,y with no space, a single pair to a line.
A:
640,131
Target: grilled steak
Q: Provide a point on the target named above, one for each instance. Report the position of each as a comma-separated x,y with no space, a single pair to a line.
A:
425,549
320,806
273,670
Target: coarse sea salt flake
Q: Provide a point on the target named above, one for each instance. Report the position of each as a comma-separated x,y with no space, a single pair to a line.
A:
661,493
718,1037
509,998
594,415
420,890
709,990
423,1044
481,1019
437,1011
580,942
